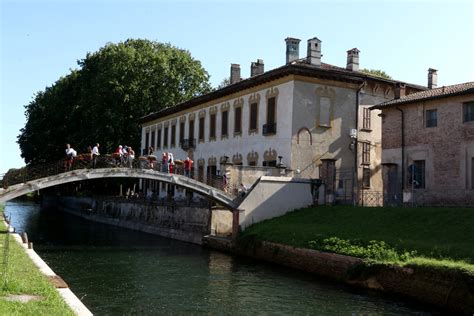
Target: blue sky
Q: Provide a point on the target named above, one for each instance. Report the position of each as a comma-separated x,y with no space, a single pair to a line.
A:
42,40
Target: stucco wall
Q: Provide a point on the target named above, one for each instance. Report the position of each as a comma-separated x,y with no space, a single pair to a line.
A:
272,197
243,144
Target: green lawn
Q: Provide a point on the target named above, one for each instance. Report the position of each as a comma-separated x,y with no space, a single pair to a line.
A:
25,278
439,236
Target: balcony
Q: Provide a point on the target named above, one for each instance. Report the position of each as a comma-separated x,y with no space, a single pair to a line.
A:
189,143
269,129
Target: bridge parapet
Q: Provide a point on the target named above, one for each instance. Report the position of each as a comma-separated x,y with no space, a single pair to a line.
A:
31,178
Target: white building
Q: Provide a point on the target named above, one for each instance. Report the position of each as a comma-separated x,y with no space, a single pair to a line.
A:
312,117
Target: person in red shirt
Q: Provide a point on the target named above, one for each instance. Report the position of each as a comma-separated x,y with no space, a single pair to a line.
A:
188,165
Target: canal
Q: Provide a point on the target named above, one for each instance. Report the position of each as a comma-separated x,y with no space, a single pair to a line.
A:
115,271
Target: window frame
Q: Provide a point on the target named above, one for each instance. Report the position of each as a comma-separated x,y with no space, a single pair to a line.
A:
238,127
212,126
253,117
173,136
165,137
201,132
365,153
468,111
366,175
225,124
431,121
366,119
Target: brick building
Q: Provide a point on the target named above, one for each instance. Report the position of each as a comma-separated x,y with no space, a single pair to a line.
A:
428,145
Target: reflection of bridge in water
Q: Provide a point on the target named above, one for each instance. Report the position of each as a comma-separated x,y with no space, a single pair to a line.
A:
28,179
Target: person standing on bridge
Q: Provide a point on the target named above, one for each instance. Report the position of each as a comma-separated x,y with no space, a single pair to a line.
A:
95,155
188,165
70,154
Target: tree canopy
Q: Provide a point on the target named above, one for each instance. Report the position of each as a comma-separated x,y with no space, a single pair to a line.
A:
377,73
102,100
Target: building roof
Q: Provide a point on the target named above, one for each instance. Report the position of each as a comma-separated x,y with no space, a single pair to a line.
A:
438,93
298,67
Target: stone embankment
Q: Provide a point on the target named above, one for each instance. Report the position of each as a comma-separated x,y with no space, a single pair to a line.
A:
450,290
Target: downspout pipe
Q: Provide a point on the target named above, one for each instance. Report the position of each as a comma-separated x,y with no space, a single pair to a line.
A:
403,146
356,173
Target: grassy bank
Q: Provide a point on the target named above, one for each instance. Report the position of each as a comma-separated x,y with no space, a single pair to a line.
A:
442,237
24,278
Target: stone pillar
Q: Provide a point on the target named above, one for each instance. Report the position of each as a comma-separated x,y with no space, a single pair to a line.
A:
235,224
327,176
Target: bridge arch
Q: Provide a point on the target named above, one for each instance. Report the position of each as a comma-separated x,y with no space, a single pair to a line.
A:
214,194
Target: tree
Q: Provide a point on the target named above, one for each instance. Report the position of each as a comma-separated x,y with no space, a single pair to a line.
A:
376,72
102,100
224,83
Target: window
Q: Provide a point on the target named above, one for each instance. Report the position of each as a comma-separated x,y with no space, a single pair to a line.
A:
271,111
366,177
431,118
253,117
417,174
238,121
270,127
201,128
212,127
325,112
147,140
191,130
225,119
181,132
366,153
173,135
366,119
165,140
158,139
468,108
152,142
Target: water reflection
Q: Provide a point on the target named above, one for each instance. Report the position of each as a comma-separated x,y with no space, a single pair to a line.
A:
118,271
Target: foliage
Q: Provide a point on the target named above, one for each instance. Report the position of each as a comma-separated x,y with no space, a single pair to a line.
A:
376,72
224,83
102,100
403,235
374,250
25,278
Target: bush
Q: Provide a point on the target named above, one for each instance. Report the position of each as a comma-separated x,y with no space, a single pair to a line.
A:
374,250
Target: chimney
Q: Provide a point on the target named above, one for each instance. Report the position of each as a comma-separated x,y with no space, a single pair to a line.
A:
353,59
400,90
314,52
256,68
234,73
292,49
432,78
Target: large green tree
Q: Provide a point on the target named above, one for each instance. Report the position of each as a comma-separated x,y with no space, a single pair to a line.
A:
102,100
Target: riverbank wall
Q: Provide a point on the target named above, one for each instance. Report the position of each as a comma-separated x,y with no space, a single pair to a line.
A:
181,222
449,290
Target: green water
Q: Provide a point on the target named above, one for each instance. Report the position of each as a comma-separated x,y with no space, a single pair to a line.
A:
115,271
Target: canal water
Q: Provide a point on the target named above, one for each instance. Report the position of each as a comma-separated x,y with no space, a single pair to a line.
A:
116,271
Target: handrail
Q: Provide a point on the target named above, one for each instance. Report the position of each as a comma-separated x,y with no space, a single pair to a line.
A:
84,161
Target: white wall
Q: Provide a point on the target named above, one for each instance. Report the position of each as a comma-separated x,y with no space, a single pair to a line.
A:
273,197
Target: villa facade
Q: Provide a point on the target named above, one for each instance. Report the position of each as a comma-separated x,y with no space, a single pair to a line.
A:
306,116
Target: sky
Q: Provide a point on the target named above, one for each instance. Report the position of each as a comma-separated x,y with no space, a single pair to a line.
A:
43,40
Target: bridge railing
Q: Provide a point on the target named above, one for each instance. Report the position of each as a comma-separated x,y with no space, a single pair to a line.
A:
84,161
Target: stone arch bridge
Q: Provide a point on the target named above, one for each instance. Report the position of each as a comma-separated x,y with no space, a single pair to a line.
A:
219,196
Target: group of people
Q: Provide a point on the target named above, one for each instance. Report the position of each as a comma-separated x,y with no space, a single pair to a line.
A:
124,155
168,163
